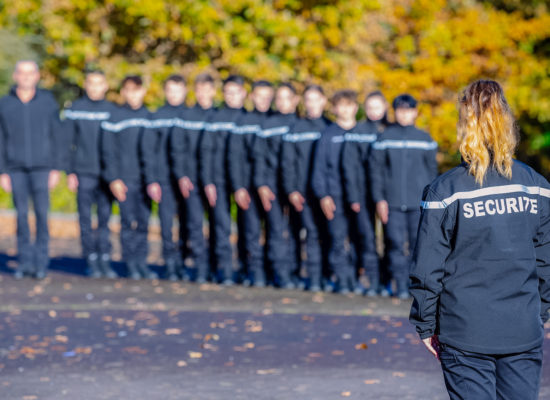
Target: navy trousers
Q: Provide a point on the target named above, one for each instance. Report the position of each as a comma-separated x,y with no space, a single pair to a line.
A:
192,223
365,243
134,223
250,249
489,377
31,185
338,256
168,208
93,190
310,219
402,228
220,233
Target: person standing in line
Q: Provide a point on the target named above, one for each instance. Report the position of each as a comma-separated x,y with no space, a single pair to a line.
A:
31,146
241,166
297,164
403,161
268,181
123,169
83,123
355,168
480,275
213,161
184,148
329,190
160,183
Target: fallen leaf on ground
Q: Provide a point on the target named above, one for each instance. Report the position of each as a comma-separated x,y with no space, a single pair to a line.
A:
361,346
195,354
372,381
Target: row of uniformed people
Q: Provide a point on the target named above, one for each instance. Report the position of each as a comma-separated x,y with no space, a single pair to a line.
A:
327,176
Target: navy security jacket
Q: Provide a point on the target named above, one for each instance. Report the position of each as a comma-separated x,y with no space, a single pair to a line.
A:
185,141
268,148
297,154
121,143
214,144
155,144
83,125
480,275
402,163
355,160
31,136
327,164
241,149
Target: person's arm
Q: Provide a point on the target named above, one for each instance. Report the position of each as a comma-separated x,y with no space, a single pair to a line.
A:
235,158
205,157
149,143
177,149
542,251
377,165
109,150
433,246
351,168
319,173
259,150
431,159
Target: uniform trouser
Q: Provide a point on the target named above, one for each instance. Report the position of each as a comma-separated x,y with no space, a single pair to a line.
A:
250,249
279,250
338,256
489,377
309,219
401,228
94,190
366,244
220,232
134,223
168,208
31,184
193,210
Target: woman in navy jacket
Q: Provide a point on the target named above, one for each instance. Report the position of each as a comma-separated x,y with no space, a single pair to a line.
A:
481,275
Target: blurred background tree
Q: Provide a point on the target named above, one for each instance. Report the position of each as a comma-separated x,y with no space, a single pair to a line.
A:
429,48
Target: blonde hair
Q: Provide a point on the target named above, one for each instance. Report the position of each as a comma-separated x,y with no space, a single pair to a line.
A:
487,130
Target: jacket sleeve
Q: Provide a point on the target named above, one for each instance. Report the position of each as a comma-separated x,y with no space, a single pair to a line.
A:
205,157
542,251
318,182
235,158
431,160
69,128
288,166
109,149
259,151
2,147
177,150
428,265
351,166
377,163
149,143
58,137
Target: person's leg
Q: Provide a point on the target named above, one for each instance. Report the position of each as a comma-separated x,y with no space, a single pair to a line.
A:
20,192
396,230
85,196
103,246
278,248
127,236
338,256
167,210
143,211
468,375
251,226
310,217
194,220
41,203
518,375
369,256
222,235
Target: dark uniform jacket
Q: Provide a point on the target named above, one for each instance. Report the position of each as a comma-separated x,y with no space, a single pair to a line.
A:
121,143
83,125
355,160
214,145
241,149
155,144
268,148
403,162
327,163
480,276
297,154
30,133
185,141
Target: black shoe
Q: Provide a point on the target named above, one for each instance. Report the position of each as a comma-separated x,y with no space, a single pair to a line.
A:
146,272
105,267
133,272
92,261
171,274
